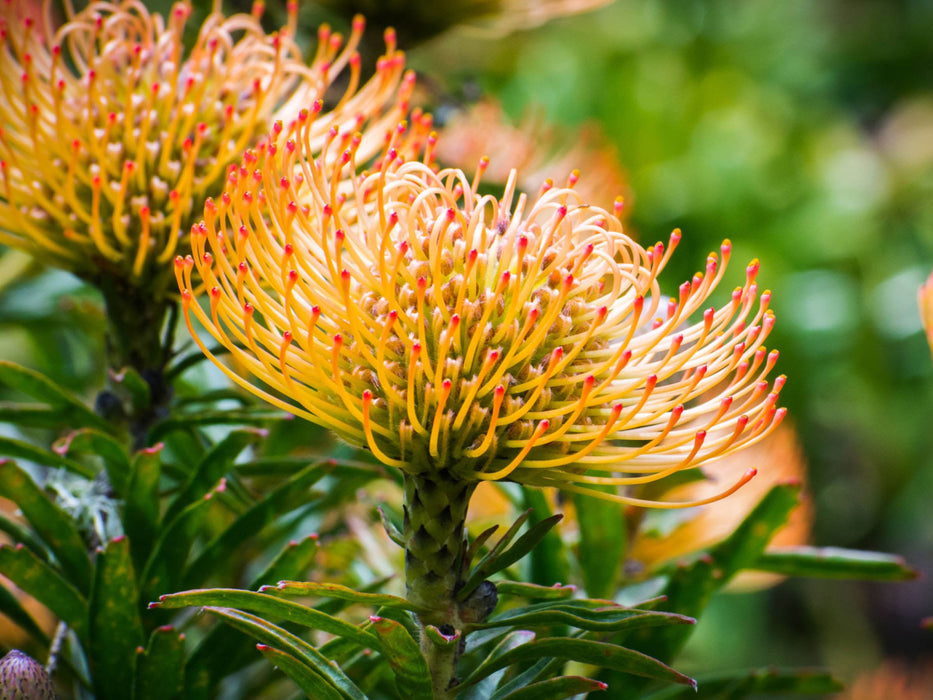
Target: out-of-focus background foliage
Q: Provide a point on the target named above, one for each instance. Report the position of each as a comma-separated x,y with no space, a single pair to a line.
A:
801,130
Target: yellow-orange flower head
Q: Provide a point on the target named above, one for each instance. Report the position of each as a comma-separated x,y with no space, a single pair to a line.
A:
469,337
111,132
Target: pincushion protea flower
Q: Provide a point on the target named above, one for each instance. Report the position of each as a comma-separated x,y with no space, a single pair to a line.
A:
464,337
111,130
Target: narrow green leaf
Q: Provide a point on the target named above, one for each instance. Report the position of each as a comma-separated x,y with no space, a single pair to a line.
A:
21,535
223,647
542,668
46,585
412,678
186,448
585,651
606,621
115,628
274,466
548,562
282,639
271,608
333,606
509,642
283,499
215,464
291,563
510,534
214,396
141,512
485,688
745,545
160,668
524,544
487,565
391,529
50,522
532,591
40,387
835,563
478,543
259,416
601,550
556,689
407,620
311,683
165,566
90,441
338,592
134,386
183,363
10,447
31,415
11,607
737,686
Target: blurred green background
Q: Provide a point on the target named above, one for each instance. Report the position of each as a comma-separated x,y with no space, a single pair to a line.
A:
801,130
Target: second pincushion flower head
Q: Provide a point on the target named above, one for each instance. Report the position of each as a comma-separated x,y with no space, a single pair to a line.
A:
112,132
464,337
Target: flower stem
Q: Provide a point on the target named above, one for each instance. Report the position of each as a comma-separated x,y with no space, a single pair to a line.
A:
442,666
435,513
135,319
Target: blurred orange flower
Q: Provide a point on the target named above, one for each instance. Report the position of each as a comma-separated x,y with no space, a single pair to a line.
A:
892,681
538,151
779,459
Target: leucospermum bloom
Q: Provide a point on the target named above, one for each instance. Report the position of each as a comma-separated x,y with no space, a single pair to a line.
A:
466,337
112,132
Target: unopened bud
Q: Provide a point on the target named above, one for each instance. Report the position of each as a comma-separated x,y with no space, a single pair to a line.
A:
23,678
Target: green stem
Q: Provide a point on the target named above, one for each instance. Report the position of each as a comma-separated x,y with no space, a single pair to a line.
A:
442,665
135,319
134,327
435,514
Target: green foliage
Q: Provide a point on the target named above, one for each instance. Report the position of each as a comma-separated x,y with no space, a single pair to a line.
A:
770,131
771,680
602,541
398,648
834,563
115,628
166,510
